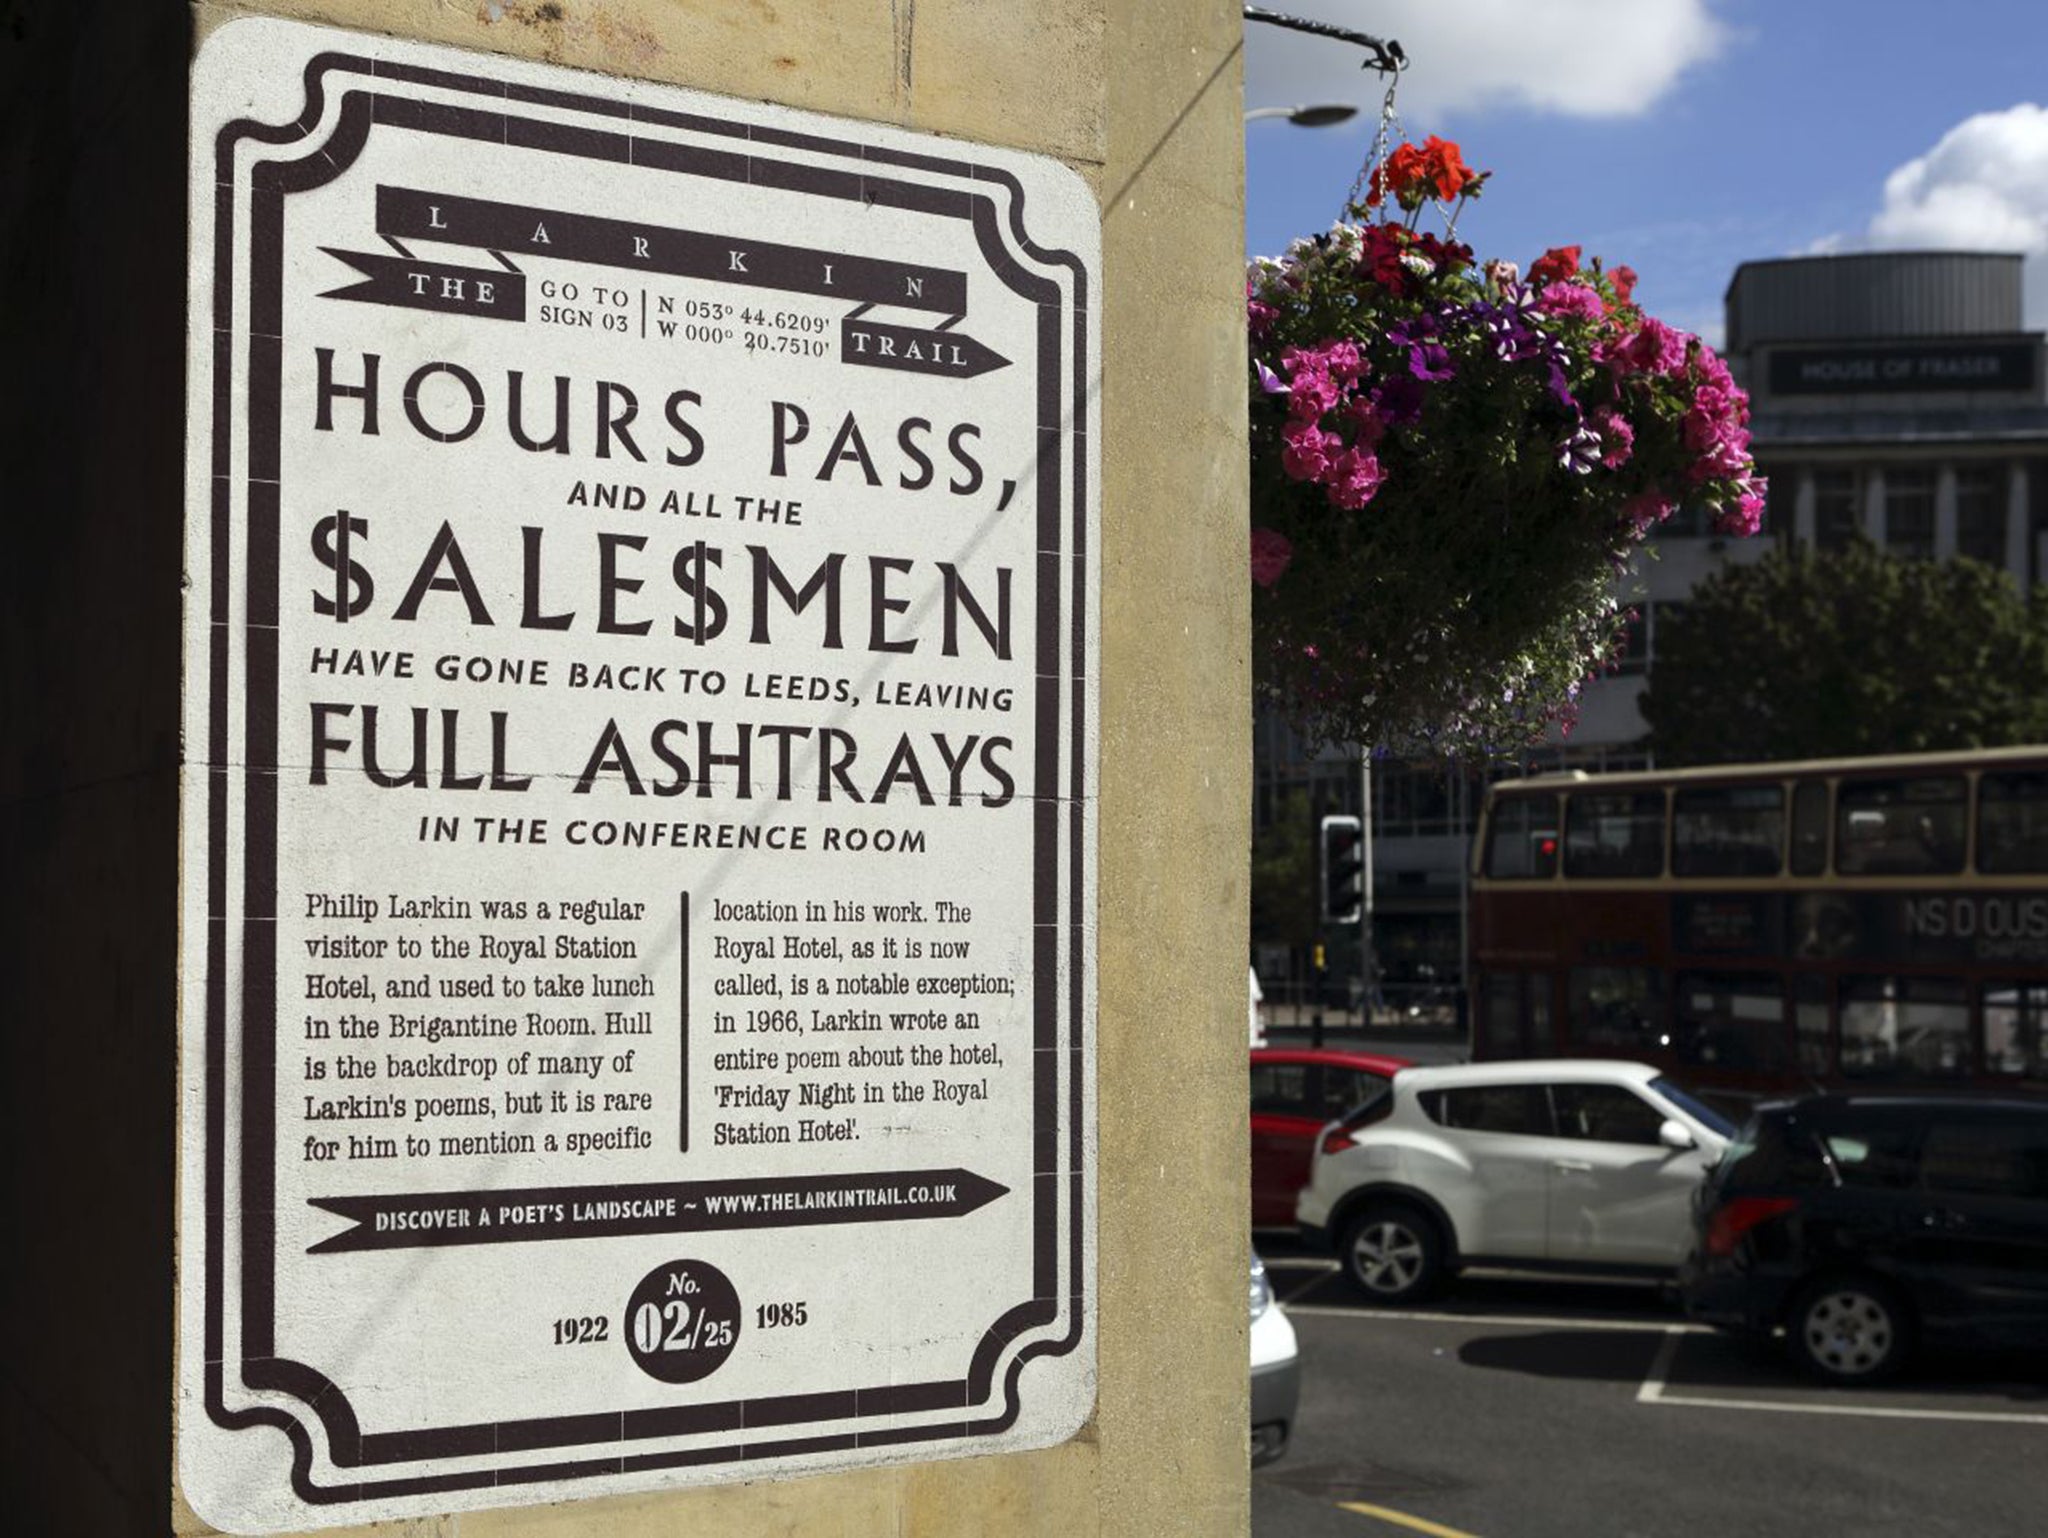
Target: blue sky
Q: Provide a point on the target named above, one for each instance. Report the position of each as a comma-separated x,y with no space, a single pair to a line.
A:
1682,136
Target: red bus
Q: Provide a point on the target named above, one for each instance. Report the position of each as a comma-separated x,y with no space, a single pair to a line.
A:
1767,927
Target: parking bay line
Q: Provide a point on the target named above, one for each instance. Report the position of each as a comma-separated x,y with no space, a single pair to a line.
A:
1402,1519
1519,1321
1652,1392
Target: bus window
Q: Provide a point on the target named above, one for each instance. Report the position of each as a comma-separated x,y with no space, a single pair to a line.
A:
1810,828
1542,1029
1514,1016
2012,823
1500,1016
1731,1020
1900,827
1728,830
1610,834
1521,838
1810,1023
1616,1009
2015,1021
1902,1026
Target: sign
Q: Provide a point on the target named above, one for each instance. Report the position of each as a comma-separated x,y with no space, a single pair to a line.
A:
640,659
1725,924
1905,367
1979,928
1920,928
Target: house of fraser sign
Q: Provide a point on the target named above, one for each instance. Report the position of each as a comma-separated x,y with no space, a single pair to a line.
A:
639,807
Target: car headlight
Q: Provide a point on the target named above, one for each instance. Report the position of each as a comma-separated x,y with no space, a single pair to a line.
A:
1262,1290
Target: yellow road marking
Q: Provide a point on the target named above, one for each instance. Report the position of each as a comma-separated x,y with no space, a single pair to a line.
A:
1402,1519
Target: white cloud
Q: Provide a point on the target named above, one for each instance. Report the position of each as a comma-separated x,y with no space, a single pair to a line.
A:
1984,187
1584,58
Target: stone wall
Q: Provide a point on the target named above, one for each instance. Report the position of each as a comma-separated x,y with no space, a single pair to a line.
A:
1140,96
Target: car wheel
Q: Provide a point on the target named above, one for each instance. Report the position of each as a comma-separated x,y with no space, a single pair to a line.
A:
1849,1329
1393,1253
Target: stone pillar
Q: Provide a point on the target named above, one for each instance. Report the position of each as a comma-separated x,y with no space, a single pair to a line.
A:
2019,527
1802,508
93,236
1873,504
1945,512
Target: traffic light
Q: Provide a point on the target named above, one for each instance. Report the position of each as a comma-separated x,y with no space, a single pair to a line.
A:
1343,865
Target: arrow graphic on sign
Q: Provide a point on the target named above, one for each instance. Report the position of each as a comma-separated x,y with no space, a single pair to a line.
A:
916,349
431,1219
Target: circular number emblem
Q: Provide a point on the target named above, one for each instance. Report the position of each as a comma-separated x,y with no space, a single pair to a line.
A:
682,1321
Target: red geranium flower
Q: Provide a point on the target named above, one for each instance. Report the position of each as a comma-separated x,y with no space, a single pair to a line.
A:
1447,168
1379,255
1554,266
1435,169
1446,254
1403,174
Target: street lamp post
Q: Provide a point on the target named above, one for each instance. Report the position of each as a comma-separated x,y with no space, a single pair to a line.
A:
1316,115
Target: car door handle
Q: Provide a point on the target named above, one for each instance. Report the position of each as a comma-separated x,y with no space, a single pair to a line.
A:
1571,1167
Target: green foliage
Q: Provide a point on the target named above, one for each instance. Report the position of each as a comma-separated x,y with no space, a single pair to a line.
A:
1284,876
1821,655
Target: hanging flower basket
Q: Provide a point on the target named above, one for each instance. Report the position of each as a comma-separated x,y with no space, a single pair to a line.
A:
1451,465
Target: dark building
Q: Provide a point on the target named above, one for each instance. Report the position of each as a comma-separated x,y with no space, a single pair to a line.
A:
1897,393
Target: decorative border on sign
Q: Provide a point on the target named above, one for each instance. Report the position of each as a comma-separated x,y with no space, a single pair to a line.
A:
260,1369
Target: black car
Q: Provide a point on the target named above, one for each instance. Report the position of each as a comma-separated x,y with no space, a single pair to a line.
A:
1866,1225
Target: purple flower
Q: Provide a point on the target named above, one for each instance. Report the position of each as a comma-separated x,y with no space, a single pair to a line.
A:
1428,358
1431,361
1269,381
1398,400
1554,381
1580,451
1513,338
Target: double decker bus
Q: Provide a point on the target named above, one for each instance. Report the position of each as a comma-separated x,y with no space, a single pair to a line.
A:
1767,927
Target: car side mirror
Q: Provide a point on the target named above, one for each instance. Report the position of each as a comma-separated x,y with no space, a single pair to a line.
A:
1676,1134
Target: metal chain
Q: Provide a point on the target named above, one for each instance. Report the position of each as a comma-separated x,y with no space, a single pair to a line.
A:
1382,140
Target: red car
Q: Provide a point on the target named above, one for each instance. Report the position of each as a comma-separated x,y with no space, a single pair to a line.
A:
1295,1092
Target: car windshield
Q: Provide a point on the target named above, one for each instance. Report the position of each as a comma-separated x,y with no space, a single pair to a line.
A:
1697,1109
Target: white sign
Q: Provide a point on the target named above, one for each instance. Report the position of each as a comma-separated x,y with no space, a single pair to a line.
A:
640,653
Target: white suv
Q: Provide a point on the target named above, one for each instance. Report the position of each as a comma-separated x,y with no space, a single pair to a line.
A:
1550,1163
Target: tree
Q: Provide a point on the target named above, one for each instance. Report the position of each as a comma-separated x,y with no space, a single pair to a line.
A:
1284,887
1811,655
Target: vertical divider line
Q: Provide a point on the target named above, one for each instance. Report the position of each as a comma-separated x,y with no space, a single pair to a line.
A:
683,1094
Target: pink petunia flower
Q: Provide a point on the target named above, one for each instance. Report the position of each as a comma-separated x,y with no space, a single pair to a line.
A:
1655,348
1311,393
1617,437
1354,476
1307,455
1645,509
1272,553
1344,361
1573,300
